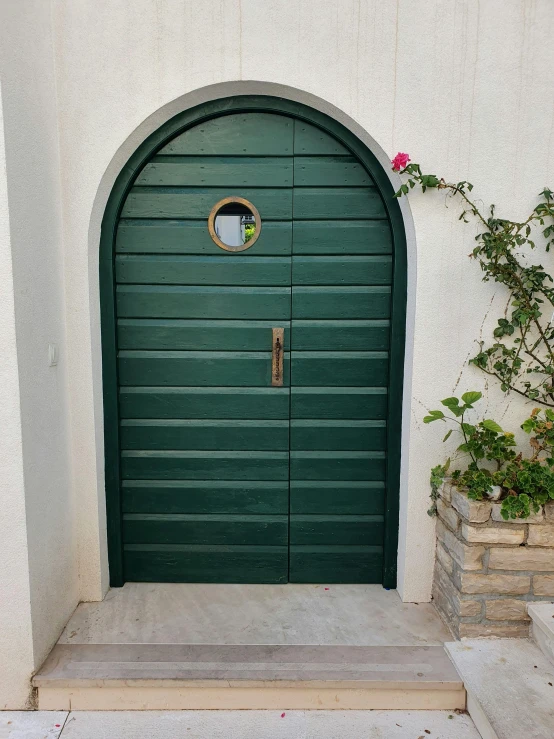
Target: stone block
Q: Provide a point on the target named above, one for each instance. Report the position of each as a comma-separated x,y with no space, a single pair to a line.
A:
510,631
444,597
506,609
541,536
476,511
447,598
446,491
543,585
470,608
533,518
468,557
444,558
448,514
495,584
522,558
493,534
549,511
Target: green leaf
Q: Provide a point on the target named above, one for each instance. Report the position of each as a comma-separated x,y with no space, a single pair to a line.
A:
451,402
433,416
471,397
447,435
491,426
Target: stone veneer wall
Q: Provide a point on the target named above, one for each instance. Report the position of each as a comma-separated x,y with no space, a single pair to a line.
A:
487,570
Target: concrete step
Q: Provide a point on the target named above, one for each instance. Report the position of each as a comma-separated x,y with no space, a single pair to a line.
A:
236,725
542,628
196,676
510,687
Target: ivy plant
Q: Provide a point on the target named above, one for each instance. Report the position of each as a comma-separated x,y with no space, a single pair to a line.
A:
521,353
492,464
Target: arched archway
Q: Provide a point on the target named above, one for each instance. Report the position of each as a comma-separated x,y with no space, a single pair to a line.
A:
371,526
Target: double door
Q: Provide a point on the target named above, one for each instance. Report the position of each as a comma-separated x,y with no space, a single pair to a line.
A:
229,473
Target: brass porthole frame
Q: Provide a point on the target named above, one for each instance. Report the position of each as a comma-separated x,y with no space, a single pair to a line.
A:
211,223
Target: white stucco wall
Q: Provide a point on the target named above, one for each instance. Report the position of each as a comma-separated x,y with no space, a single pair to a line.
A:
39,582
16,651
462,85
459,85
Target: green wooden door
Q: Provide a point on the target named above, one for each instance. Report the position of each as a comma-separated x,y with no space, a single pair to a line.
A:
204,435
223,477
341,277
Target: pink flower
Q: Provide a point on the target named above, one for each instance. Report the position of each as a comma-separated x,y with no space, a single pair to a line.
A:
400,161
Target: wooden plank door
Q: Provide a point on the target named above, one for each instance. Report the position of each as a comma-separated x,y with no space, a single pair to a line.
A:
341,276
204,436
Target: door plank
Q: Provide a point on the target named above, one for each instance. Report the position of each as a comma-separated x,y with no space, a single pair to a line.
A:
244,134
310,139
185,270
197,202
336,564
341,203
345,435
251,369
205,402
348,237
341,270
339,530
330,171
341,302
196,563
339,402
337,466
217,435
209,530
207,496
339,368
169,301
328,335
335,497
211,171
153,236
197,335
196,465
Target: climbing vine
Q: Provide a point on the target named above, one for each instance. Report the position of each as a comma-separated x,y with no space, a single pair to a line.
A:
521,353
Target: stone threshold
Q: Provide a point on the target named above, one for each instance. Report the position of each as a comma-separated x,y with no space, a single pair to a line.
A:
181,676
510,687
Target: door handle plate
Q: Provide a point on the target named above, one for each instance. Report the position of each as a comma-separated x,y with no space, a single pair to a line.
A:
277,357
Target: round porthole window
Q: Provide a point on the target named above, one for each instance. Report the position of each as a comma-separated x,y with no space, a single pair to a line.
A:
234,224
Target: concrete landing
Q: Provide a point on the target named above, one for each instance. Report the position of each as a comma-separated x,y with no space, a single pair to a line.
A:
237,725
176,676
510,687
144,613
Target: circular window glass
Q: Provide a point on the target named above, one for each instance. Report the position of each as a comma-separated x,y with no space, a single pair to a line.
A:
234,224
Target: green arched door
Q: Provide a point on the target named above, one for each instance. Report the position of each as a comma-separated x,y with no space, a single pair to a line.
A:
224,472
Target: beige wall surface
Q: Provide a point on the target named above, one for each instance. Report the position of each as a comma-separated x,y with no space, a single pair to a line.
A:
39,585
462,85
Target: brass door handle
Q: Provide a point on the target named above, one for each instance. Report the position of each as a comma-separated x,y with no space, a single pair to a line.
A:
277,357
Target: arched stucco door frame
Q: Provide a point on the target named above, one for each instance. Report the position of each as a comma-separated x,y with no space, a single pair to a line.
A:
130,157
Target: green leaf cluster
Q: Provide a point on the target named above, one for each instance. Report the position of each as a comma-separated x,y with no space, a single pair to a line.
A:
491,460
521,355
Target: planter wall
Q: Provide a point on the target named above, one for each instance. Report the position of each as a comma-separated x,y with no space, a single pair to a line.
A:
487,570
